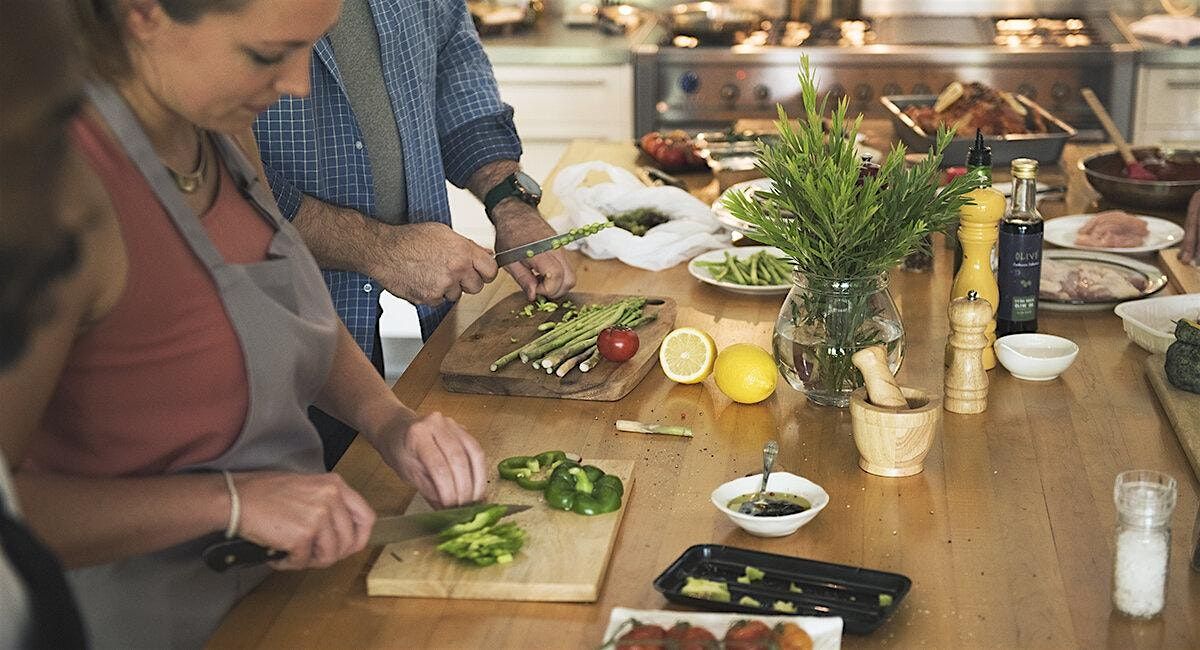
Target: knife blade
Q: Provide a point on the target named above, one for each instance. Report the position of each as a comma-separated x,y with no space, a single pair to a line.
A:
504,258
237,552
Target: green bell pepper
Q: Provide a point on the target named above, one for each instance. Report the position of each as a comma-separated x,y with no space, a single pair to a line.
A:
531,472
584,489
480,521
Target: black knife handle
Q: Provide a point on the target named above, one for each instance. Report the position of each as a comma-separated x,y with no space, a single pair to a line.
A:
238,552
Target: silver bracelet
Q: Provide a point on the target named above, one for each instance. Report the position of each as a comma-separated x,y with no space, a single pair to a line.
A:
235,506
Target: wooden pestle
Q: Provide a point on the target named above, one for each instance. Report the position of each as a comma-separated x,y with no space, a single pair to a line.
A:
882,389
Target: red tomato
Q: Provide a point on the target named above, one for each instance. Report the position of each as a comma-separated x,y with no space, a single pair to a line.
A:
687,637
952,173
617,343
642,637
748,635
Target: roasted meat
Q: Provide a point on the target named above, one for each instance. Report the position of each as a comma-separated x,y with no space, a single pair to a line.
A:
979,107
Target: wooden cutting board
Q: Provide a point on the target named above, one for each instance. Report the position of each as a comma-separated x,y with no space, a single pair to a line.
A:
1185,277
466,368
563,560
1182,407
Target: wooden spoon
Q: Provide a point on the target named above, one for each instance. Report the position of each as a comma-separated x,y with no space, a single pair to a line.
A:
1133,169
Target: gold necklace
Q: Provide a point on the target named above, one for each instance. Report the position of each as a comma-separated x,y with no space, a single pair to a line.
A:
189,182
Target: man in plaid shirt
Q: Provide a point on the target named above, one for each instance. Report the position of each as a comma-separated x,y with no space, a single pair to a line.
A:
403,98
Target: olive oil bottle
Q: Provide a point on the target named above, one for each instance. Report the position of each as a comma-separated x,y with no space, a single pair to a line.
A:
1020,254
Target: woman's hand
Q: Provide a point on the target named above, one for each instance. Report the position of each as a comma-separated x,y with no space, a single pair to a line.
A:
316,518
1189,249
436,455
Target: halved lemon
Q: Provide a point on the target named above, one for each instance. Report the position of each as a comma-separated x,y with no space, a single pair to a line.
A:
687,355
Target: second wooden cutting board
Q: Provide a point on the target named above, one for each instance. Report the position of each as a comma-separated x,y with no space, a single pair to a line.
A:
1182,407
467,366
564,557
1185,277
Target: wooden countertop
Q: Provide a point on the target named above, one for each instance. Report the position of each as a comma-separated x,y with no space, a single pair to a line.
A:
1007,535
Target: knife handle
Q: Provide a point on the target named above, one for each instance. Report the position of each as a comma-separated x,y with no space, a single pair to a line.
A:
238,552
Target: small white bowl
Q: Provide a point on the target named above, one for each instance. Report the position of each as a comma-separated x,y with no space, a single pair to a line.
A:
1035,357
778,482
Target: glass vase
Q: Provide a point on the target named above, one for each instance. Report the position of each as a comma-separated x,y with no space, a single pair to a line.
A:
826,320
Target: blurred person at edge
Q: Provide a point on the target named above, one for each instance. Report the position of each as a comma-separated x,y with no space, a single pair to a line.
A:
1189,248
170,389
403,100
45,198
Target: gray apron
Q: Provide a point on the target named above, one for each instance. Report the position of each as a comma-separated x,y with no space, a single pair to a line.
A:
288,330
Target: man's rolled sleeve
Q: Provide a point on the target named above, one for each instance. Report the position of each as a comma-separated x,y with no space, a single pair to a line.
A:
287,195
477,143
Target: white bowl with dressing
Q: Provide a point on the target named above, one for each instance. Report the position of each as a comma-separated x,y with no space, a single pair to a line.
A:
784,482
1035,357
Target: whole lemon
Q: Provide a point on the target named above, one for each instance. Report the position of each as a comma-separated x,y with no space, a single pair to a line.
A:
746,373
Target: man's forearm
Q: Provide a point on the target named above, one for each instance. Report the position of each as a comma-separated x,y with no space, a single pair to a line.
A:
489,176
339,238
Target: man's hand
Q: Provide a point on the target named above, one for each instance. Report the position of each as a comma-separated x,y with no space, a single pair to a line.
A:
1189,249
426,263
548,274
436,455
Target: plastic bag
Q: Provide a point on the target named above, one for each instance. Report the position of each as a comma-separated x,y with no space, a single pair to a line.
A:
692,229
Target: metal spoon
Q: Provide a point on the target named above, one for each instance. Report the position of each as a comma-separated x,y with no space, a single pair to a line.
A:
759,502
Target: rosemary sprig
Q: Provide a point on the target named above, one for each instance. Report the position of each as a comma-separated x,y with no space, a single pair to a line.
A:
822,216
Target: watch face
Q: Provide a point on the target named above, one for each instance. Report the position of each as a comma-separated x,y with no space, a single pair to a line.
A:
529,187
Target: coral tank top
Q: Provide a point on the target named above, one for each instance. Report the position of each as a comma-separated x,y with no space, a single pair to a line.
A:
160,383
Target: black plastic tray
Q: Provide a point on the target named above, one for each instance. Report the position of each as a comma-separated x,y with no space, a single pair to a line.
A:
828,589
1042,147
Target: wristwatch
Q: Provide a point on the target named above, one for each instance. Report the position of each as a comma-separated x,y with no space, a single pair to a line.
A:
519,186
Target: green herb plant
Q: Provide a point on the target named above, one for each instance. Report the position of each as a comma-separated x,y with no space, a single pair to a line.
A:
842,230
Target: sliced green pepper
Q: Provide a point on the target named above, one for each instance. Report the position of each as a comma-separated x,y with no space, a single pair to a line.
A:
480,521
586,489
531,472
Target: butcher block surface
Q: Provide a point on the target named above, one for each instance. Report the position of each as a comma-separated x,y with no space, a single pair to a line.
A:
1185,277
466,368
1182,407
563,560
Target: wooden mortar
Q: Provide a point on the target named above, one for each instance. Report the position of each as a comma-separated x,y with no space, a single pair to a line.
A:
894,441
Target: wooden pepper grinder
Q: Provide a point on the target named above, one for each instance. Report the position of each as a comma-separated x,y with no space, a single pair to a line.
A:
882,389
966,381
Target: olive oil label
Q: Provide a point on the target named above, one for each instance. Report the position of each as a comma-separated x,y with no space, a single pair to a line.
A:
1019,275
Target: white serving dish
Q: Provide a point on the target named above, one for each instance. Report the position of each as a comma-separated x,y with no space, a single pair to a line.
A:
784,482
826,631
749,187
1062,231
741,252
1035,357
1151,322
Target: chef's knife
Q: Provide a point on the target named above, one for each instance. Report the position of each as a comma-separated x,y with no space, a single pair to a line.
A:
504,258
235,552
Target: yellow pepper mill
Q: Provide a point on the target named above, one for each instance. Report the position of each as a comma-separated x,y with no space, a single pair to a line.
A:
978,232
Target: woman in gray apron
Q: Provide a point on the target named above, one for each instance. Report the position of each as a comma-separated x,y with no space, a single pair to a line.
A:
295,353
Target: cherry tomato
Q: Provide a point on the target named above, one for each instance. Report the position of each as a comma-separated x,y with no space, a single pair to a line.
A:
642,637
617,343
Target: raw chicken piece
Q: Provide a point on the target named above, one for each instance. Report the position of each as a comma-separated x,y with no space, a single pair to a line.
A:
1086,281
1112,229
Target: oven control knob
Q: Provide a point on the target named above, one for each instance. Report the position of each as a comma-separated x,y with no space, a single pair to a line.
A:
730,92
1060,91
837,91
892,89
1027,90
922,89
689,82
762,93
863,92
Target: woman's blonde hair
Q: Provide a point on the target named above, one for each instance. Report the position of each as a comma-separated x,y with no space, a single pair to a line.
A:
102,27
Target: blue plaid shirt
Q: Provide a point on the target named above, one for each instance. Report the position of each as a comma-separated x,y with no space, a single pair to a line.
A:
451,123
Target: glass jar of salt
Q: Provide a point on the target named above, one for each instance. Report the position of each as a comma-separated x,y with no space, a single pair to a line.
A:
1145,500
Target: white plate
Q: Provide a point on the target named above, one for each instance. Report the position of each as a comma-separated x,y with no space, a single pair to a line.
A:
826,631
1155,280
1151,322
741,252
1163,234
749,187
